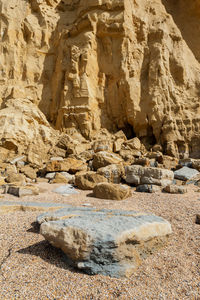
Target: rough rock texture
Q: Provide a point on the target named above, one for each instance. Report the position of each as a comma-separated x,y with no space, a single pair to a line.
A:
95,64
185,173
107,242
147,175
175,189
88,180
111,191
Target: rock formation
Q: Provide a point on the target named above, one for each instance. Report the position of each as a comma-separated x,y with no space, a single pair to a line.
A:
114,64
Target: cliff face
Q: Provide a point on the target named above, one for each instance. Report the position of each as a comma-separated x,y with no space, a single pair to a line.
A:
114,64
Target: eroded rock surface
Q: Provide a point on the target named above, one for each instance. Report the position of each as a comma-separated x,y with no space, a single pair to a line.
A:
108,242
120,64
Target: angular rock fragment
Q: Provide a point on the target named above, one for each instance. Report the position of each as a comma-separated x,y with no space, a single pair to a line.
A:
137,175
103,159
68,164
112,191
148,188
113,173
175,189
185,173
87,181
20,191
108,242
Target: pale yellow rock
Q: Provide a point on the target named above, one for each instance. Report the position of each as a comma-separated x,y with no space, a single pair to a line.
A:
88,65
59,178
68,164
29,172
112,191
103,159
16,178
114,173
87,181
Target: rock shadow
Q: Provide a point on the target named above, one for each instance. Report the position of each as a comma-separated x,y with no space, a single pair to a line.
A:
51,255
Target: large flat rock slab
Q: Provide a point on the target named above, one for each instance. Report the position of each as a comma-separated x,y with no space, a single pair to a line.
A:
108,242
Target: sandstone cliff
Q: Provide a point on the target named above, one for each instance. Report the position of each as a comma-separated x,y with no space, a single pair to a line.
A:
114,64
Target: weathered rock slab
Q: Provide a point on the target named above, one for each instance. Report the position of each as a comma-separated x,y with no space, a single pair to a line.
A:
185,173
137,175
108,242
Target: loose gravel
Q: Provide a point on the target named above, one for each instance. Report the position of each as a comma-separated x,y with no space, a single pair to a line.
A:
30,268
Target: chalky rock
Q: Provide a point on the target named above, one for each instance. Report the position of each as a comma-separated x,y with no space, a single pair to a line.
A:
108,242
137,175
65,190
185,173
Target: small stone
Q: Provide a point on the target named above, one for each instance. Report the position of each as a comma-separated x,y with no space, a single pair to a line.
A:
148,188
197,221
175,189
20,191
112,191
50,175
17,159
67,189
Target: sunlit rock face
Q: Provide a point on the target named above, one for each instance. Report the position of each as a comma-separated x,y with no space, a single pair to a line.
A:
114,64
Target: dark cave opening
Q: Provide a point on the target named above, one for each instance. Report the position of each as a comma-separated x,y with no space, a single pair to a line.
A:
128,131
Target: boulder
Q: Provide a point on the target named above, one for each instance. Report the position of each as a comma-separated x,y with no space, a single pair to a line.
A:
69,164
103,159
103,145
107,242
113,173
134,144
88,180
148,188
112,191
59,178
16,178
137,175
175,189
185,173
20,191
29,172
168,162
196,164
